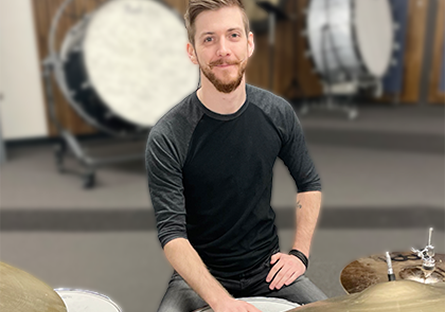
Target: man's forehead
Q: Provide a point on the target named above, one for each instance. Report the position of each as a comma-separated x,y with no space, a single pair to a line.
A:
221,20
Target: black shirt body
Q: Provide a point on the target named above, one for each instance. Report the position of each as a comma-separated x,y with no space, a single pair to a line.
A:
210,177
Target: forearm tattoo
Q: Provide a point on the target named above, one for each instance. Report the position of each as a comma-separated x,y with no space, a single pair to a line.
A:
298,204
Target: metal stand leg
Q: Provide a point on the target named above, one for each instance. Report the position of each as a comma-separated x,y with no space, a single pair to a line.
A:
68,141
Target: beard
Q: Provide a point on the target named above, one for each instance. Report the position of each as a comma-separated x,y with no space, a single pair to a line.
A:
220,85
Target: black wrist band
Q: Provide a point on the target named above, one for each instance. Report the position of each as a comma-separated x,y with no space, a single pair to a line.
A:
300,255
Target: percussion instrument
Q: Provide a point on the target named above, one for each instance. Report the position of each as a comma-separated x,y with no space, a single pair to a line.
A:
125,65
77,300
364,272
22,292
350,40
264,304
406,296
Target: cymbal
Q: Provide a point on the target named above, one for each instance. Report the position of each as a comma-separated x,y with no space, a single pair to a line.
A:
395,296
364,272
22,292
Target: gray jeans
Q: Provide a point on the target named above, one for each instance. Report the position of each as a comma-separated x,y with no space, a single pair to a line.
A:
180,297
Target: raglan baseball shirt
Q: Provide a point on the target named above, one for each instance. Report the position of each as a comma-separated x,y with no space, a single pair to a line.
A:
210,177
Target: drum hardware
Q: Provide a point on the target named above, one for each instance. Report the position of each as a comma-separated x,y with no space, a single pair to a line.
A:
264,304
423,266
71,142
108,70
391,276
407,296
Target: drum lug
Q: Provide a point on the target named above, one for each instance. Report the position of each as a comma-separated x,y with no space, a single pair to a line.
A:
86,85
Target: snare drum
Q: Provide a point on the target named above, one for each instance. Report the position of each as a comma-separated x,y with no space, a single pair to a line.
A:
77,300
264,304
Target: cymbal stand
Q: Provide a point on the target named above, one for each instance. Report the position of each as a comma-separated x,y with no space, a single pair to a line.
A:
71,142
427,254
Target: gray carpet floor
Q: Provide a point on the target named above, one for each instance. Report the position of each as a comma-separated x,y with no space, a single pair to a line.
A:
383,181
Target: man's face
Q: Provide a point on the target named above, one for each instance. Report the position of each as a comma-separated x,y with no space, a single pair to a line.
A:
221,47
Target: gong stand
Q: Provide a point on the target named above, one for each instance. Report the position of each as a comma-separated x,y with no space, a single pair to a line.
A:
69,141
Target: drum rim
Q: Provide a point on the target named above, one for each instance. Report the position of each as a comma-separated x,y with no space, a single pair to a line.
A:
363,67
60,77
57,290
258,299
59,73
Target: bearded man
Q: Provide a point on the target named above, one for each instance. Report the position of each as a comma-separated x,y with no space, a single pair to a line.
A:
209,164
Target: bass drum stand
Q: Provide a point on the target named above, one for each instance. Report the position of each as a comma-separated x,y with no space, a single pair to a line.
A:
68,141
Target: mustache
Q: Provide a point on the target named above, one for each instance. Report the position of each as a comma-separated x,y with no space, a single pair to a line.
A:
223,62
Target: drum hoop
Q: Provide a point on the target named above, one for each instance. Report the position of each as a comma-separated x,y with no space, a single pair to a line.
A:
89,292
55,61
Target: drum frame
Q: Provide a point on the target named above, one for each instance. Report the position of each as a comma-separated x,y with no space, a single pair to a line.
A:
53,67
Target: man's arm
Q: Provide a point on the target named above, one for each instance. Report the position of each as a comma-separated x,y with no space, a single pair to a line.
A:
308,209
290,267
186,261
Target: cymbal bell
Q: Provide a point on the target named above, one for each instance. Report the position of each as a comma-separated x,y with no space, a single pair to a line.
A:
365,272
395,296
22,292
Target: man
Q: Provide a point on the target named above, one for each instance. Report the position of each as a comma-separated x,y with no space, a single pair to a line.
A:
209,163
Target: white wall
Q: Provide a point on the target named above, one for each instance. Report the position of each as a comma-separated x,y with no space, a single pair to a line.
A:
22,110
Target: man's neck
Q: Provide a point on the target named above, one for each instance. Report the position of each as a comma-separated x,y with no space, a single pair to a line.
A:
218,102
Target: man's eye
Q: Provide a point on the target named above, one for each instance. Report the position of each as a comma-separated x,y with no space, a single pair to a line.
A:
208,39
235,35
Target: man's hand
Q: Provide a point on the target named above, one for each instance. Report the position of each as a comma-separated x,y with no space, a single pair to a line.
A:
286,269
233,305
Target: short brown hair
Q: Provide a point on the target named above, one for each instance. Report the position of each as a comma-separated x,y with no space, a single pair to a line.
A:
196,7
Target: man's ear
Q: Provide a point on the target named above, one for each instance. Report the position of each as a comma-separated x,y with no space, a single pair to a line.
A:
250,44
191,53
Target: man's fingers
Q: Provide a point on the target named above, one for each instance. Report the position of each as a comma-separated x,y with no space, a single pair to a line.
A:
291,279
281,278
274,271
275,257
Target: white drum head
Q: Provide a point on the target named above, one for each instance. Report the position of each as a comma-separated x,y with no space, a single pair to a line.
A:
77,300
265,304
135,56
374,32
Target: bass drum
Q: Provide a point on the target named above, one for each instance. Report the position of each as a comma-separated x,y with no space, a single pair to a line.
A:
350,40
264,304
125,65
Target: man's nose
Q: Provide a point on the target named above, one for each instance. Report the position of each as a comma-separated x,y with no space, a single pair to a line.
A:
223,48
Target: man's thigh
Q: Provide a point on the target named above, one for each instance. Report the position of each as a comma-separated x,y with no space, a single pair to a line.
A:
180,297
301,291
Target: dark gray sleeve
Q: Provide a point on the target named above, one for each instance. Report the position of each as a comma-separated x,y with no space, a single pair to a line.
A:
295,155
164,172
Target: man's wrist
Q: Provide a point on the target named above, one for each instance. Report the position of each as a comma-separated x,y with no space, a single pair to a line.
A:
301,256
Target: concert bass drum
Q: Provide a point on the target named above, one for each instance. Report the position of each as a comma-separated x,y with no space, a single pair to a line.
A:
350,40
125,65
